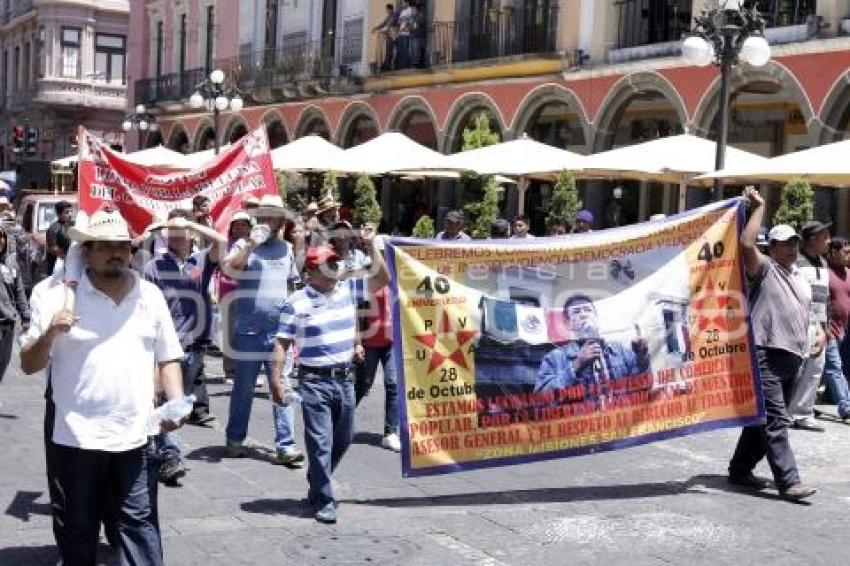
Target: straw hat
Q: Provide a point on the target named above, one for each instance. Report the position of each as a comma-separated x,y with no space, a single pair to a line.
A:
326,203
270,205
104,226
242,215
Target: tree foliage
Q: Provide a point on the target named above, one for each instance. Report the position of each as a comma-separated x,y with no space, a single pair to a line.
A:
366,207
330,185
486,210
565,200
424,227
481,195
292,188
797,204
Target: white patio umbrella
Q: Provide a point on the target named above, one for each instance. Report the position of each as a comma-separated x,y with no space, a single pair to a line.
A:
199,158
823,165
674,159
308,154
523,158
158,156
393,153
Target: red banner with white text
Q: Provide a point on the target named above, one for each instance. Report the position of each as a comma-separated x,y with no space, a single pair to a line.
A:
144,194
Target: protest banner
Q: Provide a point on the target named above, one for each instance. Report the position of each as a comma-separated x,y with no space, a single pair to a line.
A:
144,194
523,350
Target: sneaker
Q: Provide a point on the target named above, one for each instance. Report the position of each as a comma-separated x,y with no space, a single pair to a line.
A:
290,457
749,481
235,449
808,423
327,514
391,442
171,470
797,492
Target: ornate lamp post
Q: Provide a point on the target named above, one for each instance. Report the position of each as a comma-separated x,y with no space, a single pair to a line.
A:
726,34
218,97
141,120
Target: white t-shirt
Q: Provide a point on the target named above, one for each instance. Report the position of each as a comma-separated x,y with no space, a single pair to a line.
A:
102,370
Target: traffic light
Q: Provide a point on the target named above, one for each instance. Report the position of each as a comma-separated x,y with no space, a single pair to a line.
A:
18,138
32,141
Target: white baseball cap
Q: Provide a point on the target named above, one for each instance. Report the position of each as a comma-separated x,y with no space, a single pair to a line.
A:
782,233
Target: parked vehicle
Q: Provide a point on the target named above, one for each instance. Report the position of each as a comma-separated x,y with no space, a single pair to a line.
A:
36,212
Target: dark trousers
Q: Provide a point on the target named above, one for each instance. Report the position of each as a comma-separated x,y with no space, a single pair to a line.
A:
91,484
365,378
7,340
779,370
194,380
328,408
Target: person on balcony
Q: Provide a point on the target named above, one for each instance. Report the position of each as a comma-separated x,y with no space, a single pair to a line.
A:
418,36
402,43
390,29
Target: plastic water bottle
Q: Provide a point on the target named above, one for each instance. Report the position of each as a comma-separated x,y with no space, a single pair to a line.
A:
173,410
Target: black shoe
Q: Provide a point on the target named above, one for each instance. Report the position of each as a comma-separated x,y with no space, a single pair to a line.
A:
749,481
171,470
327,514
200,419
797,492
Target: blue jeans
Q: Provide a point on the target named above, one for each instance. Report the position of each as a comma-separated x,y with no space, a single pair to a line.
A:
328,407
256,351
836,382
366,377
92,484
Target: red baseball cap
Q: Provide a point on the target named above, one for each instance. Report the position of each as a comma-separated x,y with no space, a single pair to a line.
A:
318,256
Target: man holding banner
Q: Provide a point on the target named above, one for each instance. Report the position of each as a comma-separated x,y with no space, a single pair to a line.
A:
779,307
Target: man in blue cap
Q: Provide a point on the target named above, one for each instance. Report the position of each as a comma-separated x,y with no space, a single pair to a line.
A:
584,222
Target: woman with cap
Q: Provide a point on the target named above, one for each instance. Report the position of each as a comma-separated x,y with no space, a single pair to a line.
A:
779,310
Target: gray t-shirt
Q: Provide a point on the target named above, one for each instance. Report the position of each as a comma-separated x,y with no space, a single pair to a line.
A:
779,307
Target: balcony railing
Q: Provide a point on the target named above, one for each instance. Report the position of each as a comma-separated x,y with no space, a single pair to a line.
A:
172,87
780,13
16,9
504,32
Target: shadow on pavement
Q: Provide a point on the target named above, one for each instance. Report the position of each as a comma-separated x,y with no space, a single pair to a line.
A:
29,555
8,416
372,438
290,507
215,454
23,505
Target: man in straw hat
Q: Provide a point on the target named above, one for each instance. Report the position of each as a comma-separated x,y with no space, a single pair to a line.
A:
105,365
265,268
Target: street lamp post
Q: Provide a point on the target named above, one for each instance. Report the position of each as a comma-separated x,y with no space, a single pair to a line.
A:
140,120
726,35
218,97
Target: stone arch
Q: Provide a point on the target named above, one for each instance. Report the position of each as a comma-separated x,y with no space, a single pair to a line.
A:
743,75
178,138
350,116
631,88
545,95
276,129
460,112
308,117
153,139
235,129
405,107
204,135
835,111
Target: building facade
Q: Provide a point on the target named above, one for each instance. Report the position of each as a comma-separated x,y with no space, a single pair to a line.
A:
62,64
585,75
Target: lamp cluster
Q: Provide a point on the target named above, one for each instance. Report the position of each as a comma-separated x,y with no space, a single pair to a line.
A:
213,90
731,33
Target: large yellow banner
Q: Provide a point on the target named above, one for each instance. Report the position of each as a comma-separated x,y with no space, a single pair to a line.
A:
521,350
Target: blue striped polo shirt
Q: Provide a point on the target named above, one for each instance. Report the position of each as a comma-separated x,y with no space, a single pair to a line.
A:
323,326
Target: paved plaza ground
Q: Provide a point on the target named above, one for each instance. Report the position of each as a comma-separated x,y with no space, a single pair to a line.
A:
665,503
